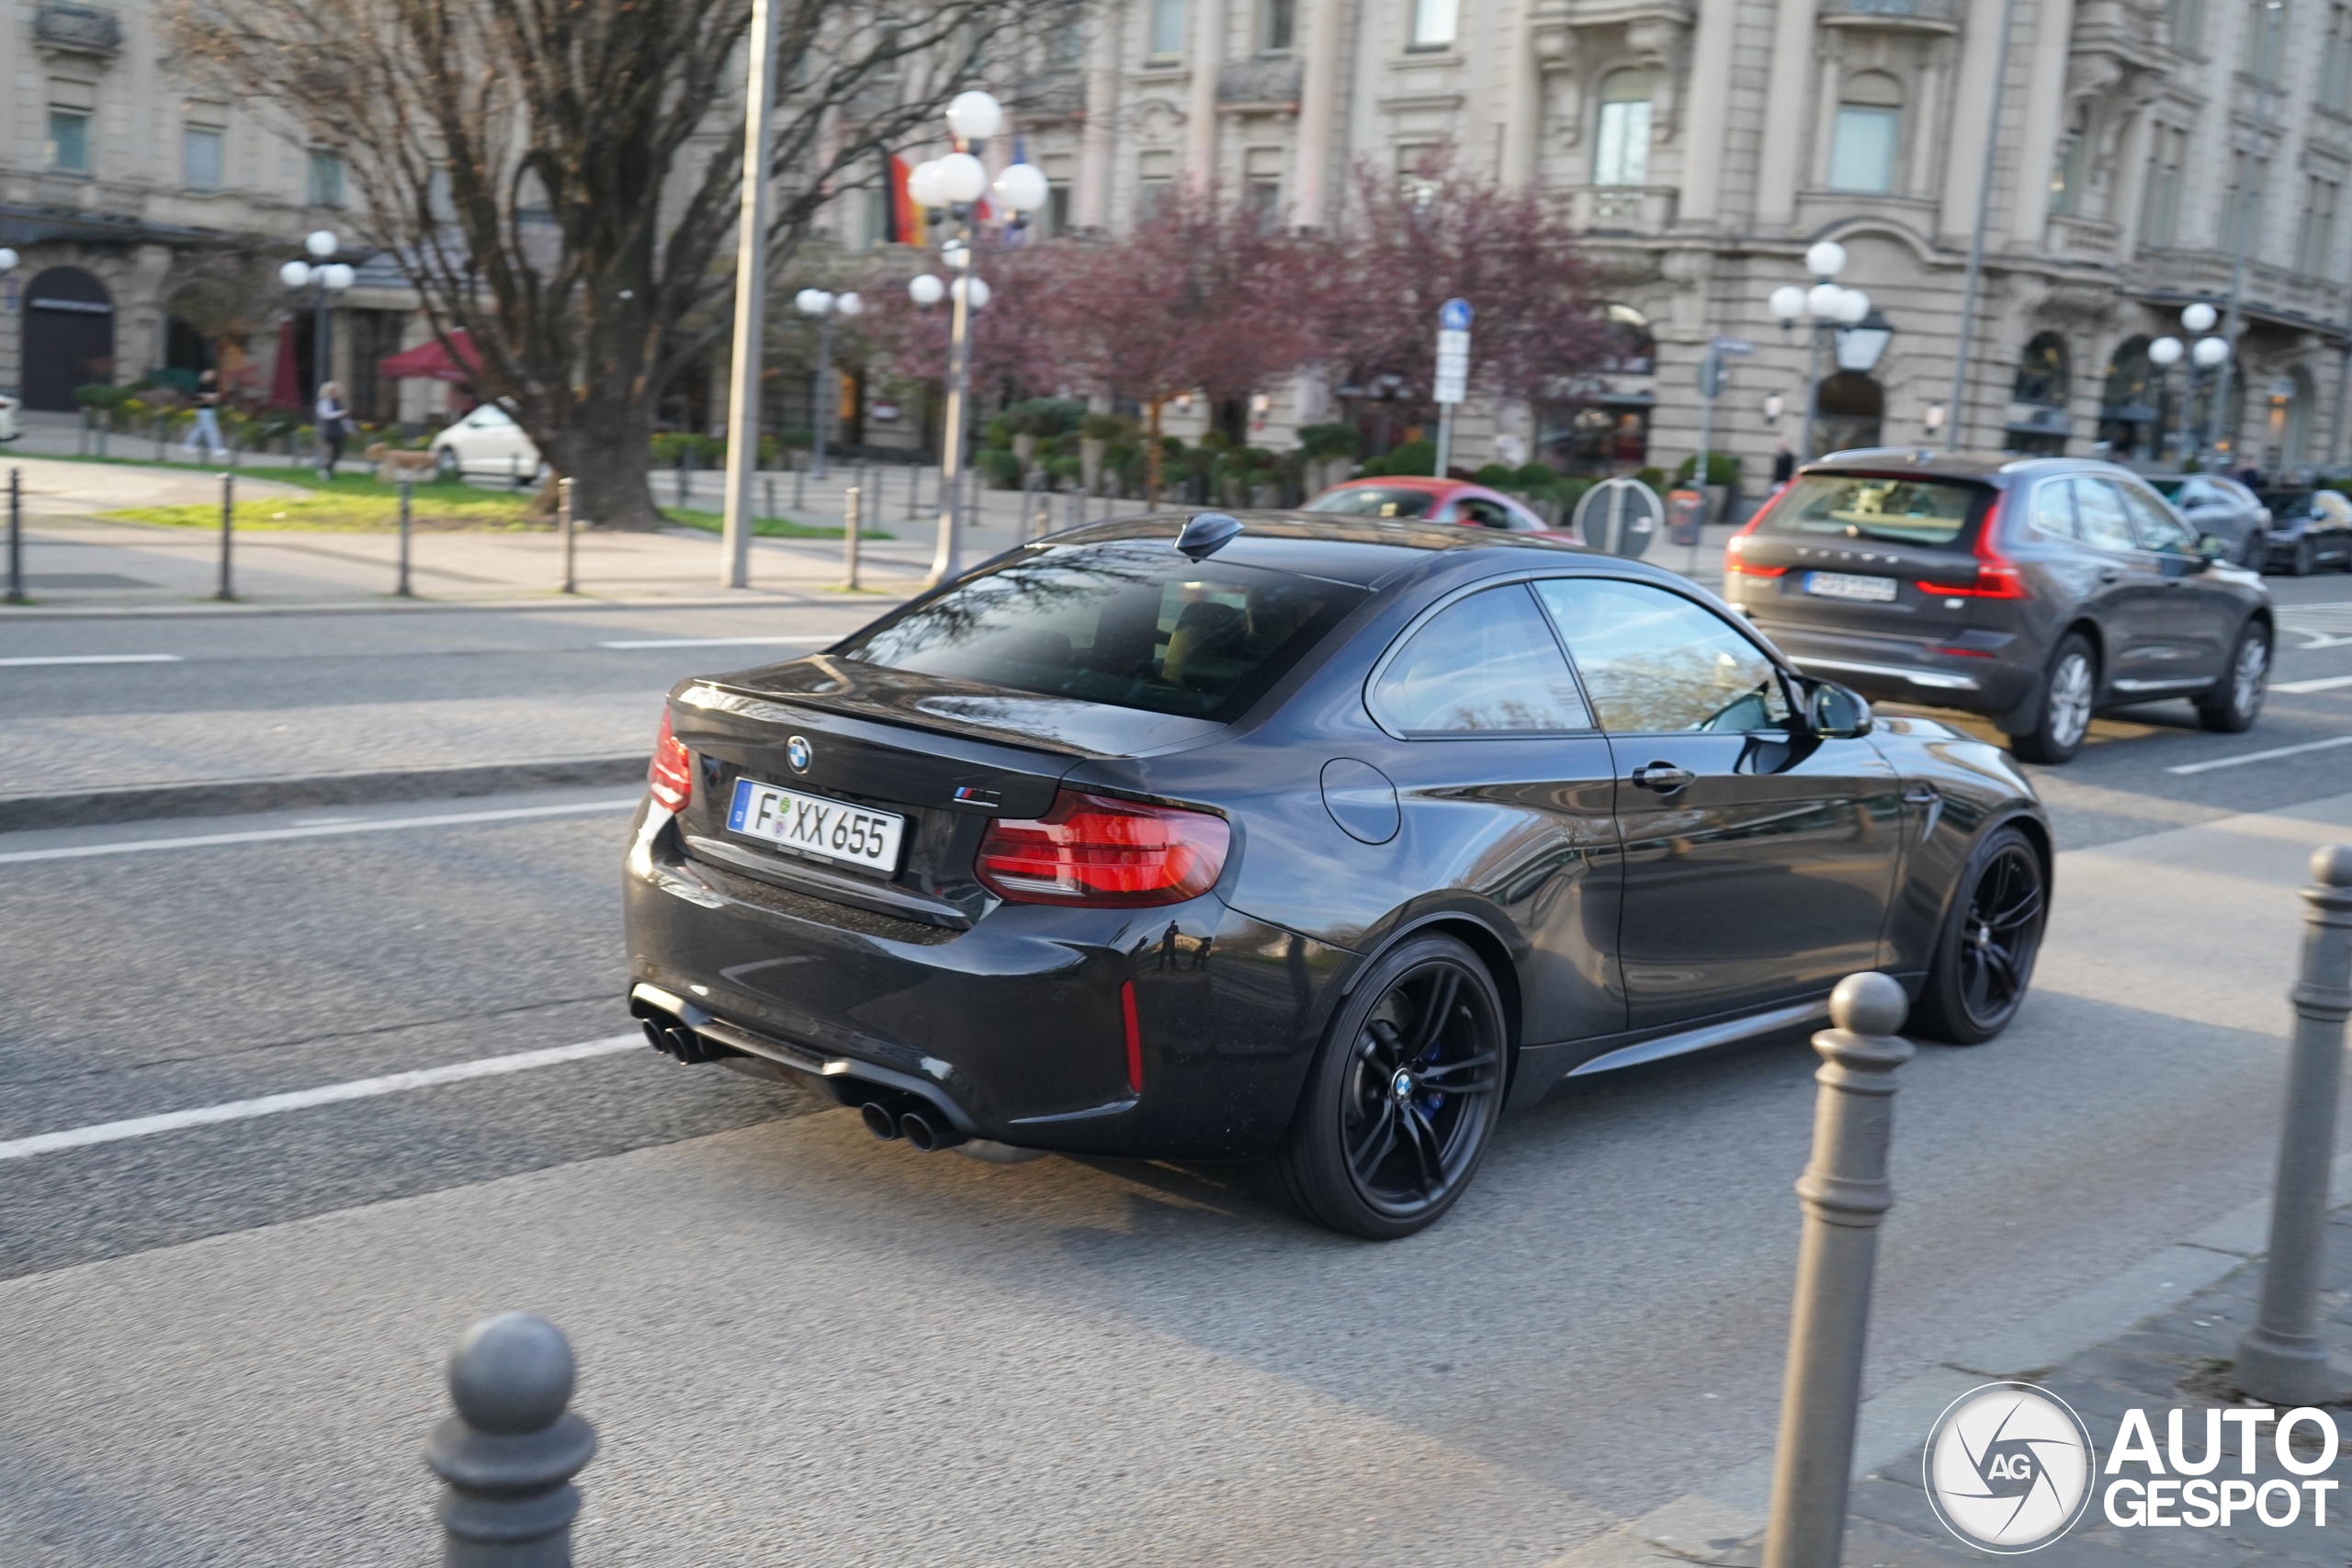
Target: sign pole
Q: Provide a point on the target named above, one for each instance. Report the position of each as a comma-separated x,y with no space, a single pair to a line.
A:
1453,374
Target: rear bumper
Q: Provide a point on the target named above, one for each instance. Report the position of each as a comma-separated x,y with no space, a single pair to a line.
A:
1014,1029
1912,670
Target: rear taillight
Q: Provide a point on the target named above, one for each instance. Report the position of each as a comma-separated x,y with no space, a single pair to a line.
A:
1091,849
1998,576
1738,567
672,776
1738,542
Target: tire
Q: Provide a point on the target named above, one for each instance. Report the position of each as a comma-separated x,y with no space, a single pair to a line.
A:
2236,701
2300,564
446,467
1396,1114
1984,957
2069,694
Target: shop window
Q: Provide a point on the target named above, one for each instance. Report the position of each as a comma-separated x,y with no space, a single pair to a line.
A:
1849,411
2041,376
1630,347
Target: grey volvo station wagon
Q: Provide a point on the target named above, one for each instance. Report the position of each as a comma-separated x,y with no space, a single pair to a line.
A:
2034,591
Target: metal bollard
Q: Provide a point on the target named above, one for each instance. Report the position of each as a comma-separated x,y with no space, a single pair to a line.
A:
2282,1359
850,500
563,521
509,1453
685,475
403,590
914,492
16,536
767,494
1846,1194
800,490
227,529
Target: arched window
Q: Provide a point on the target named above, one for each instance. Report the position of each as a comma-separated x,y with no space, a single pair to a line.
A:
1631,348
1868,134
2131,405
1848,413
2041,372
1621,142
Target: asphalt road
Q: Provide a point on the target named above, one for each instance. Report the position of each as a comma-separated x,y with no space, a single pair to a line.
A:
802,1344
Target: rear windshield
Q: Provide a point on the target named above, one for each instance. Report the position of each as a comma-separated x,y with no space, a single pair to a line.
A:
1132,624
1375,500
1897,510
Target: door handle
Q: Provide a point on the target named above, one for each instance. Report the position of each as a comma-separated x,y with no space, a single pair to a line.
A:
1663,777
2109,573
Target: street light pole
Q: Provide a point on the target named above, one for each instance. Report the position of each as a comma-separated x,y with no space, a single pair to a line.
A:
1826,304
751,301
944,560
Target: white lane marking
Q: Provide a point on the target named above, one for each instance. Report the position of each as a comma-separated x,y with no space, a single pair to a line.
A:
722,641
2324,684
303,1098
92,658
2261,756
311,830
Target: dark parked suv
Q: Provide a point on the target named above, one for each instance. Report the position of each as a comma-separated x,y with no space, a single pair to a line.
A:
2034,591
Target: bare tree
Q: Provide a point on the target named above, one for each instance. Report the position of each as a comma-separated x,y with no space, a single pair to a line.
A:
558,178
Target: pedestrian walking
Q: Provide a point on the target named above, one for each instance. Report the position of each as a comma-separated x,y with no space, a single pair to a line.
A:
1784,465
334,426
204,435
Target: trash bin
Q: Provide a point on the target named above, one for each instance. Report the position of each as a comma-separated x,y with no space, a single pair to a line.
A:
1686,516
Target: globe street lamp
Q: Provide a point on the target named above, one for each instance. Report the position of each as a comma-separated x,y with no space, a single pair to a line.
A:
2164,353
825,307
953,184
1829,307
322,277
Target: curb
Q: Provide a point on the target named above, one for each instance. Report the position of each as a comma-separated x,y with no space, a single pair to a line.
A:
241,796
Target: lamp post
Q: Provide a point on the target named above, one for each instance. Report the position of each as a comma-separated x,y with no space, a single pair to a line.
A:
2211,354
751,298
1827,305
825,307
2164,353
956,183
322,277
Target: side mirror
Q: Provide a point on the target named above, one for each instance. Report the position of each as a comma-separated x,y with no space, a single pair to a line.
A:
1833,712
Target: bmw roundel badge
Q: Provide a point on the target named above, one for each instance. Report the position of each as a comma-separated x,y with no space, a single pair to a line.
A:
797,753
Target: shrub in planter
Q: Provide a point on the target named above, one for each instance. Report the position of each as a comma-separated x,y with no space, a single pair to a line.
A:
998,467
1723,468
1411,458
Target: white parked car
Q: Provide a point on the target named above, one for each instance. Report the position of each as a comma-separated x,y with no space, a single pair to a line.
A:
8,407
486,444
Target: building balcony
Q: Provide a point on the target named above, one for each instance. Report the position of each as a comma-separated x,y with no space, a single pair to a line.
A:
63,28
1621,209
1271,84
2084,239
1939,15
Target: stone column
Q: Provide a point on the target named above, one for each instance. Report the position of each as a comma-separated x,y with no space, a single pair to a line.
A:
1786,97
1090,202
2045,105
1827,84
1704,149
1522,99
1318,96
1200,109
1964,148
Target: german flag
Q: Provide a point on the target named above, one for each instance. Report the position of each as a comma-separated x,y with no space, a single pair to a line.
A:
905,219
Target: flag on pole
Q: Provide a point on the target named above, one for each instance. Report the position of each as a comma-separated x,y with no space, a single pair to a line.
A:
904,218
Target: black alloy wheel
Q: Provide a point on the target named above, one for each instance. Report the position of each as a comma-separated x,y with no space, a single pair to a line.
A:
1402,1099
2236,701
1984,961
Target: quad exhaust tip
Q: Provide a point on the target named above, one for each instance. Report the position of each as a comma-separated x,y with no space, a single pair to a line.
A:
923,1134
879,1120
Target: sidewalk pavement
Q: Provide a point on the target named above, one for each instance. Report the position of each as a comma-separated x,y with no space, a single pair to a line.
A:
76,559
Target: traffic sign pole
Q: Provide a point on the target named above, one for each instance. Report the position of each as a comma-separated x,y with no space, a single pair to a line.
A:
1453,374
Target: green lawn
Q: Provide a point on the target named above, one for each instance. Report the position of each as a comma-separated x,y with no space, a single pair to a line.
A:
765,527
339,509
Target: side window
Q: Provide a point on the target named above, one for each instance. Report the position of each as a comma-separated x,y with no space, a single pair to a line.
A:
2203,492
2332,505
1656,662
1484,514
2054,510
2099,512
2158,529
1485,665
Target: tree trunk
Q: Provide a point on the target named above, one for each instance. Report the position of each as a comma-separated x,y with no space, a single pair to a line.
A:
607,455
1152,456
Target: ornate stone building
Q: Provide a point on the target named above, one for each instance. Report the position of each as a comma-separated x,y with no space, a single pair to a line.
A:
1703,145
151,219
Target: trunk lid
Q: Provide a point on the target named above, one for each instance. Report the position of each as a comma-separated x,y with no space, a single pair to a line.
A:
1866,553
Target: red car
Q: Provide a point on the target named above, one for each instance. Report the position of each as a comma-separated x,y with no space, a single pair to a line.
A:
1434,500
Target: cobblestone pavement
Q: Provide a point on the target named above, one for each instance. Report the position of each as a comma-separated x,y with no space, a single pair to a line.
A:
2180,1358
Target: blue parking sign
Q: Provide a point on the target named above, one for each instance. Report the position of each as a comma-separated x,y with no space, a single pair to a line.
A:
1453,316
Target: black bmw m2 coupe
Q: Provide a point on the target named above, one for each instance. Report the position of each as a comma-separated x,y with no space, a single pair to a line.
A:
1317,838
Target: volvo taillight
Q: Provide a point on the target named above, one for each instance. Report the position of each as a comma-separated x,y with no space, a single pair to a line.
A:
1998,576
672,776
1091,849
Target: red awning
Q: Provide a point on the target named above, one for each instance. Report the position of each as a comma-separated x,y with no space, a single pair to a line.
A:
428,361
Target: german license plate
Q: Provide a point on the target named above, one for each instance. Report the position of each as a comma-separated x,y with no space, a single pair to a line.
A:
1851,585
830,829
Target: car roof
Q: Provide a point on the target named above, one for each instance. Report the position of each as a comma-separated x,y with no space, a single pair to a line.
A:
1337,545
1402,481
1984,467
